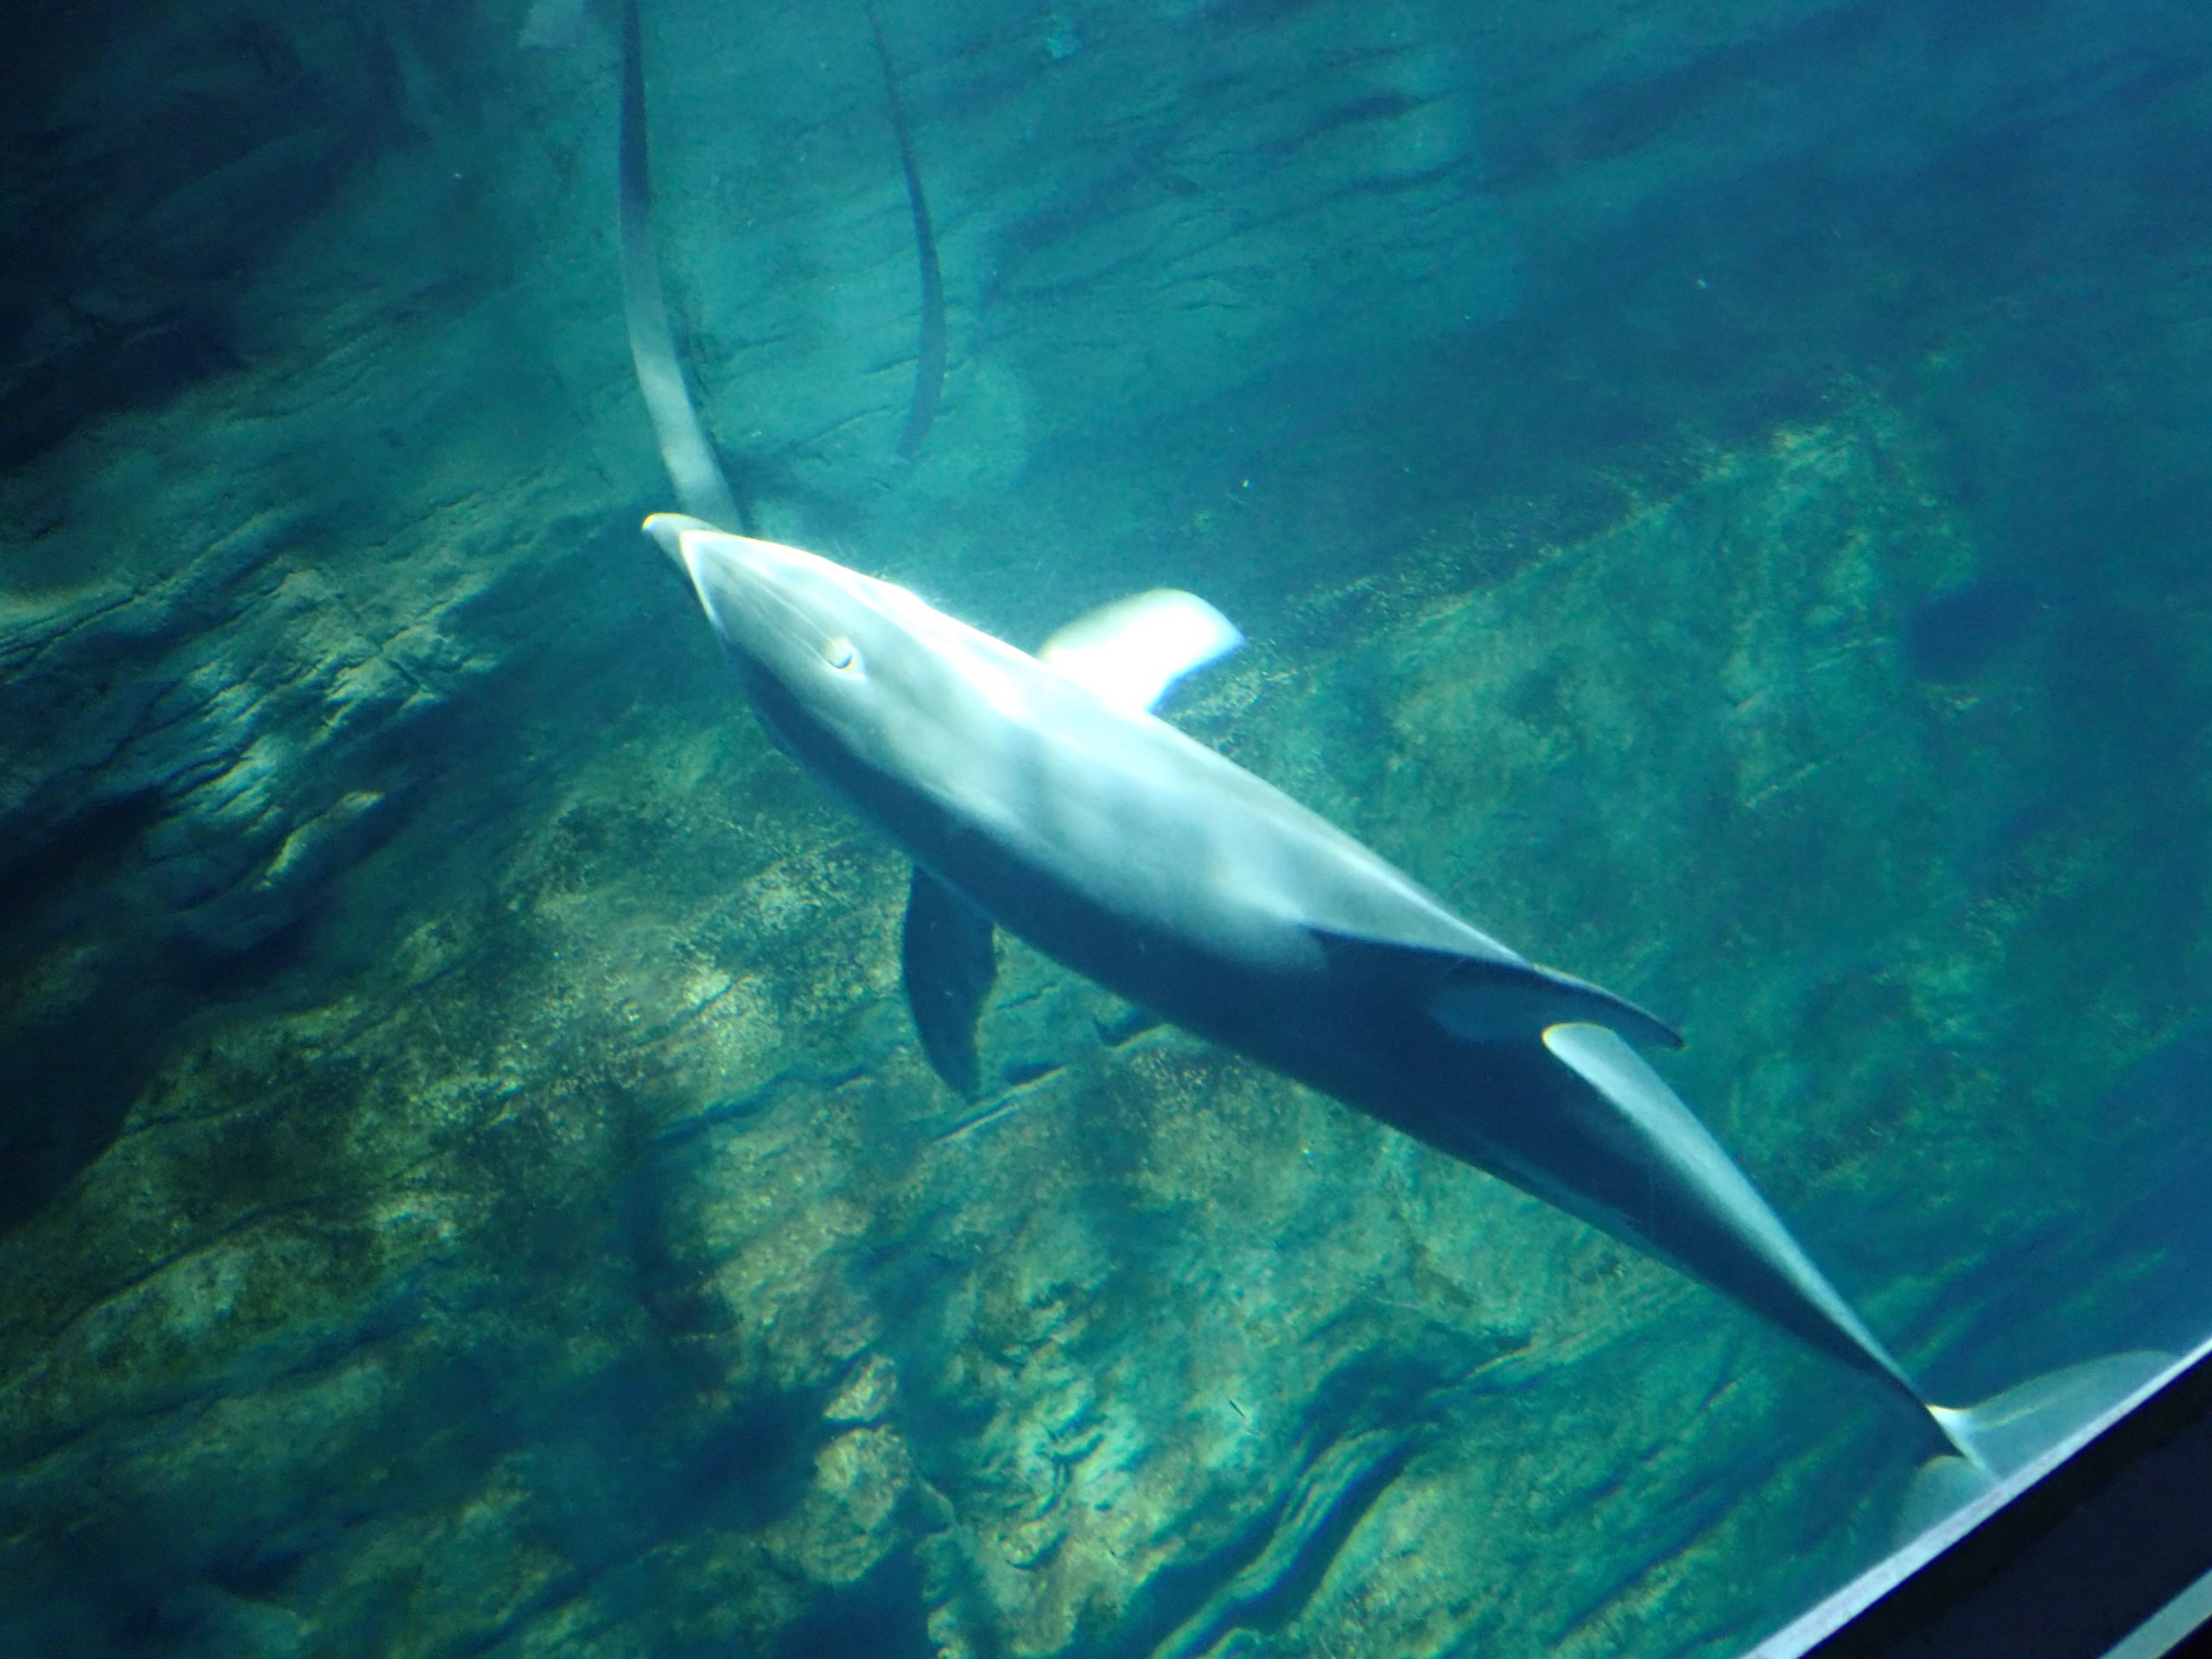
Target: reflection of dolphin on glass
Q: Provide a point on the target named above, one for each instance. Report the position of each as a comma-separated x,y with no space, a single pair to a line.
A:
1039,793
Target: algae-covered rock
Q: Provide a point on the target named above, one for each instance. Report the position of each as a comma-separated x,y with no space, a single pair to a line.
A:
469,1182
603,1268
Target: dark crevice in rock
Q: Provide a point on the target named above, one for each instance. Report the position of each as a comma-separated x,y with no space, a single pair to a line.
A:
259,1572
1173,1597
1334,1496
1365,1421
1378,107
1128,1027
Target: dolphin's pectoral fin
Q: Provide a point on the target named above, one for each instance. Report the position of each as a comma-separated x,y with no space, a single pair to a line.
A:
1500,1002
1130,651
950,958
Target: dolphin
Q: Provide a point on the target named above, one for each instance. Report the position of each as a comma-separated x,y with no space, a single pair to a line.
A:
1042,795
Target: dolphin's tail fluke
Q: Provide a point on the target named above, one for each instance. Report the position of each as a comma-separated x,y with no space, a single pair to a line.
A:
2009,1431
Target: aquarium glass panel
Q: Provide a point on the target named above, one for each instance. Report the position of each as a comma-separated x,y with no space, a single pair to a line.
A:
1086,828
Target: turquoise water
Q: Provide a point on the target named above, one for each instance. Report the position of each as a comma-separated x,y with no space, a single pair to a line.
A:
1716,492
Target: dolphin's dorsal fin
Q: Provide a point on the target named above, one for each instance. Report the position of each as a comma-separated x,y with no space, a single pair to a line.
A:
949,956
1130,651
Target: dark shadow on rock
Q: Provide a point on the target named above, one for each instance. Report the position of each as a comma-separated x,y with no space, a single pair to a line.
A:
1957,634
635,1456
70,1068
657,1445
201,972
66,1088
101,982
108,369
86,848
1177,1594
882,1615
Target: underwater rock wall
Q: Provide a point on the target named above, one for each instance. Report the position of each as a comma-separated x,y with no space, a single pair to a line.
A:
599,1267
469,1186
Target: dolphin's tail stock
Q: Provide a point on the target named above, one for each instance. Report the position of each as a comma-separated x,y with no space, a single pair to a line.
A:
2009,1431
685,449
1666,1185
1719,1229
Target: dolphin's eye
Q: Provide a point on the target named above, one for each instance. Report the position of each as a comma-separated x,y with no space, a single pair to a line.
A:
839,653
